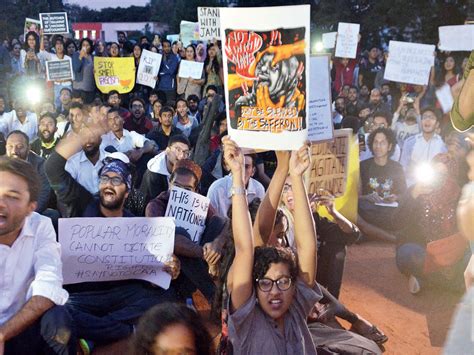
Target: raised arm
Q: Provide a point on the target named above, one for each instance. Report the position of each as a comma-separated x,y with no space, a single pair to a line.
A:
305,230
239,281
265,219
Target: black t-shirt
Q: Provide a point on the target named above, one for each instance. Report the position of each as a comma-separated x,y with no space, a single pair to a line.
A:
369,71
43,151
385,180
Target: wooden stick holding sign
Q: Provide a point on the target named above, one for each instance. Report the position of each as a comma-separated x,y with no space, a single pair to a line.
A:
329,161
189,211
108,249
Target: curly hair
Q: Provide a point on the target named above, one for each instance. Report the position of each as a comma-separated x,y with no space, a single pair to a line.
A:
160,317
388,134
265,256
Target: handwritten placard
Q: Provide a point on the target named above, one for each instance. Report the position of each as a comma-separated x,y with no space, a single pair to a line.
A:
189,211
108,249
409,62
329,164
54,23
190,69
114,74
188,32
209,23
58,70
320,127
329,40
456,38
347,39
148,68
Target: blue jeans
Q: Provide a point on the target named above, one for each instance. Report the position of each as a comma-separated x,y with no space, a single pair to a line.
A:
410,259
51,334
109,315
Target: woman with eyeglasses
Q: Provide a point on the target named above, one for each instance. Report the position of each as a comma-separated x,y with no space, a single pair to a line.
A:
271,291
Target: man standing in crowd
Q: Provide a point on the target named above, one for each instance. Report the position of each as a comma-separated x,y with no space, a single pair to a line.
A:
162,133
32,316
156,178
167,73
138,121
18,147
220,192
424,146
369,67
106,311
46,141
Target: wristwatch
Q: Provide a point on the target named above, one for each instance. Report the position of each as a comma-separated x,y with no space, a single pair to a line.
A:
238,191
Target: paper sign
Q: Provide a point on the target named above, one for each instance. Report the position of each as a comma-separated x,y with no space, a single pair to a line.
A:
114,74
54,23
266,70
189,211
445,98
209,23
320,125
172,38
109,249
189,31
409,62
347,40
456,38
329,164
148,68
190,69
32,25
329,40
57,70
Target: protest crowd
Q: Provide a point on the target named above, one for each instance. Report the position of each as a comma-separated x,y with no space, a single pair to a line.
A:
265,252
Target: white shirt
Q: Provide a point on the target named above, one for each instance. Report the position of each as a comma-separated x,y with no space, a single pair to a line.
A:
82,170
221,197
31,267
5,120
29,127
129,141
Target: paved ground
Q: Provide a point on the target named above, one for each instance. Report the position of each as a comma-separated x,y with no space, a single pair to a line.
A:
374,288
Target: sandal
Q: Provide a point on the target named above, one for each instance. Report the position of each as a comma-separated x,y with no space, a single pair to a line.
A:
373,333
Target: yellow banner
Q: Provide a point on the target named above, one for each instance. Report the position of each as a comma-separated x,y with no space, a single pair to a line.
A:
114,74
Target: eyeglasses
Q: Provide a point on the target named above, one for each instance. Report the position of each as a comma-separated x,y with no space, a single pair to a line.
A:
184,153
265,284
115,181
286,188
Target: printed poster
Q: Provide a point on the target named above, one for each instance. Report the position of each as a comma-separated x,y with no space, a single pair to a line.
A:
266,73
114,74
54,23
148,68
58,70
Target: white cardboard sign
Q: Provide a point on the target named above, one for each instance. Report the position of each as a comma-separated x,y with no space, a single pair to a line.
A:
347,40
190,69
148,68
409,62
445,98
320,127
189,211
329,40
109,249
209,23
456,38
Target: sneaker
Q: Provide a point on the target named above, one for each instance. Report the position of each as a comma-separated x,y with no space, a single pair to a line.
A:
414,285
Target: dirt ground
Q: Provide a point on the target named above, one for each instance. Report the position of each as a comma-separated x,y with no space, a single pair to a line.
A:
373,288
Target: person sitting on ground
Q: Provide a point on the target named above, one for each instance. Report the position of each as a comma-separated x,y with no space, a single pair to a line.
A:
138,121
171,328
156,177
114,100
382,181
161,133
198,259
103,312
220,192
193,106
32,316
46,141
182,120
65,96
431,249
75,119
17,146
270,292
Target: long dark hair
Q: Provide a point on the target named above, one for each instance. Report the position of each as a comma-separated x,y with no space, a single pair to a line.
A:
441,74
160,317
214,65
36,37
